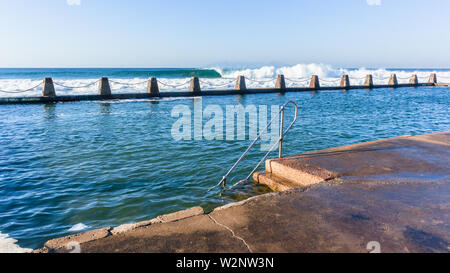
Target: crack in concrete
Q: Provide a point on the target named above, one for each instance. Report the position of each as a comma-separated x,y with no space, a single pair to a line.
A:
232,233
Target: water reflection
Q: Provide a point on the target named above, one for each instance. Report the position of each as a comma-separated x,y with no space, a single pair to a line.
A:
105,108
49,111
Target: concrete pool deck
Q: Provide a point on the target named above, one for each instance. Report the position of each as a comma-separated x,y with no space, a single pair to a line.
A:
394,191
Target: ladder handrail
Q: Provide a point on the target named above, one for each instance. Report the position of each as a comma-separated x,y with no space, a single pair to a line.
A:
278,142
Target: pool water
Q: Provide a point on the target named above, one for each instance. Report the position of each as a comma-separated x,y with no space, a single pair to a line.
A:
68,167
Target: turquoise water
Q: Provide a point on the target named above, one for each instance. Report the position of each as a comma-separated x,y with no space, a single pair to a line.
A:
109,163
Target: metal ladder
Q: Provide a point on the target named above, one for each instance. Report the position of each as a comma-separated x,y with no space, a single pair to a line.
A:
279,143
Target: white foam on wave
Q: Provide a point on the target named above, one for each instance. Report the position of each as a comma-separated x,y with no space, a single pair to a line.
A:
330,75
78,227
295,71
262,77
323,71
8,245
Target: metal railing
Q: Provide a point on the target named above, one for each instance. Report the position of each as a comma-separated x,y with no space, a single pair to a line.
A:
278,143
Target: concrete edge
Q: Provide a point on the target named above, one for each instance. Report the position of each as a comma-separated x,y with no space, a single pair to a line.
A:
89,236
334,181
428,138
312,174
274,183
359,144
179,215
64,242
240,203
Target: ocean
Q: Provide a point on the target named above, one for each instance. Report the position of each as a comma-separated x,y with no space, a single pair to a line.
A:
72,167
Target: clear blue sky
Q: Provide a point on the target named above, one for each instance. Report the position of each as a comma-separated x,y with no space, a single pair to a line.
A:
180,33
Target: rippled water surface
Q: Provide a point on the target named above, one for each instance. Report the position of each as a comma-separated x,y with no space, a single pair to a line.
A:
108,163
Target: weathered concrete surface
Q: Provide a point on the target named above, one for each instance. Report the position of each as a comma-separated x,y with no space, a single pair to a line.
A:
240,83
393,80
194,85
413,79
401,158
394,191
281,83
49,88
345,81
128,227
194,234
79,238
60,244
368,81
314,82
433,78
180,215
344,217
152,86
274,182
104,89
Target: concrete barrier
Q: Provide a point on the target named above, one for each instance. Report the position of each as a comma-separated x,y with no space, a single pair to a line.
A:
49,88
152,86
314,82
414,79
393,80
240,83
433,78
368,81
345,82
104,88
63,242
195,85
281,84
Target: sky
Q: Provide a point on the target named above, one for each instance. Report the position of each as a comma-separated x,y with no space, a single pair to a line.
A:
203,33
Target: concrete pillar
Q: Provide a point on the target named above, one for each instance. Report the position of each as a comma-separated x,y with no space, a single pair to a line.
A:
414,79
281,84
152,86
369,81
195,85
433,78
103,88
345,82
393,80
49,89
315,82
240,83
